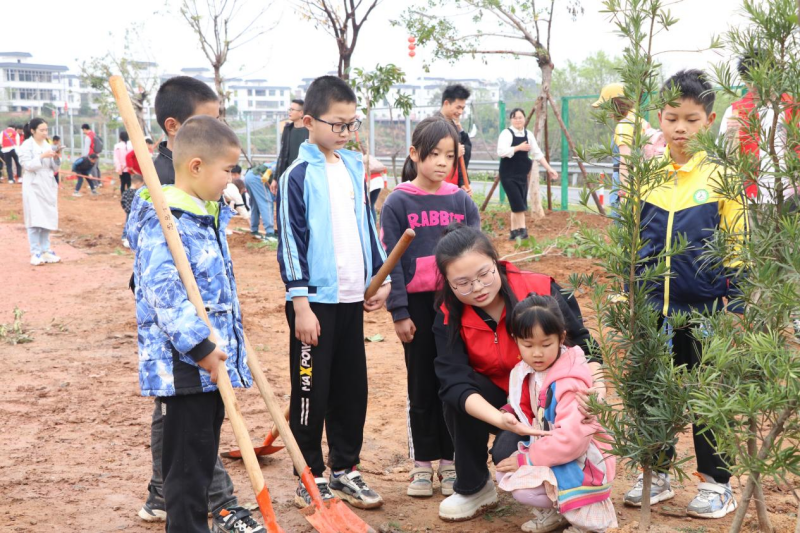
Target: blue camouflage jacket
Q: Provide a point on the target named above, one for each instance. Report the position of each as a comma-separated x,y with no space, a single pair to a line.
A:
172,337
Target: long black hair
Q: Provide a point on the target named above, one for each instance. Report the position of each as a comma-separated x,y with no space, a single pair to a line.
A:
458,240
536,310
425,139
31,126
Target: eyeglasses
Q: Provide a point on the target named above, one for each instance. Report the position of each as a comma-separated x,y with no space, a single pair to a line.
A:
339,127
465,288
295,110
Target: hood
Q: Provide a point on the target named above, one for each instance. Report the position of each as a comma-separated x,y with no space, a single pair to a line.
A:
565,366
142,211
409,188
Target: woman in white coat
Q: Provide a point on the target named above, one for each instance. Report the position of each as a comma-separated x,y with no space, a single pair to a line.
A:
39,191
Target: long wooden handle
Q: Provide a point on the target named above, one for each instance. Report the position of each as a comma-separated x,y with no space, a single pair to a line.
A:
187,277
390,263
463,170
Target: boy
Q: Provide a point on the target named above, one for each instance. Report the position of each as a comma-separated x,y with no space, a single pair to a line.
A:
328,251
177,100
454,102
689,205
178,361
127,200
83,167
57,147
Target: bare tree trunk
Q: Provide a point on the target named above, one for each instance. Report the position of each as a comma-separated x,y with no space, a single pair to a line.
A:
647,483
761,505
220,91
744,503
344,65
547,158
534,191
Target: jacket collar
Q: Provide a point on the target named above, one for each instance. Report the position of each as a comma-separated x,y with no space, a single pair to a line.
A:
697,159
310,152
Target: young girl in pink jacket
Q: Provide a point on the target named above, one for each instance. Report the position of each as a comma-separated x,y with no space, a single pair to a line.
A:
566,473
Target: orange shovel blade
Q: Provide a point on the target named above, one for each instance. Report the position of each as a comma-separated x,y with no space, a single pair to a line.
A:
264,449
335,517
267,513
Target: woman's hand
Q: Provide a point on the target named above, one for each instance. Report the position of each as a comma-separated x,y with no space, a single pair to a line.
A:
510,464
509,422
405,330
48,154
524,147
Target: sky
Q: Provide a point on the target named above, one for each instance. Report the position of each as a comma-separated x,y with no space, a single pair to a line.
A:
294,49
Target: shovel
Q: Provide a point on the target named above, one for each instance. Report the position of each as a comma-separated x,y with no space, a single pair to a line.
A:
331,516
265,449
187,277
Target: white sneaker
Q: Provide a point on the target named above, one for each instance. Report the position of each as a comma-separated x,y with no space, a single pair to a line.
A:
660,490
50,257
714,500
544,520
125,243
36,260
459,507
77,194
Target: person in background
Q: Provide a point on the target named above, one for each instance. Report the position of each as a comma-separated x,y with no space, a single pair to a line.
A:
137,181
150,145
376,181
92,144
10,142
261,202
83,167
121,150
454,102
516,147
294,134
57,148
236,173
39,192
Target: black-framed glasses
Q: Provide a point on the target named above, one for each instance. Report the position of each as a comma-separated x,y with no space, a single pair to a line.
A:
467,287
339,127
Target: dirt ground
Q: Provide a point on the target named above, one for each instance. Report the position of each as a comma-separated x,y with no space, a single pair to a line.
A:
76,436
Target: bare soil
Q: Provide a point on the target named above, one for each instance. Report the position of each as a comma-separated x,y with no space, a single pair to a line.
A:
76,436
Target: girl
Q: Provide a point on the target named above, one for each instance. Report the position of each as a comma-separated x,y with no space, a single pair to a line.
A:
515,147
426,203
39,191
475,356
564,474
121,150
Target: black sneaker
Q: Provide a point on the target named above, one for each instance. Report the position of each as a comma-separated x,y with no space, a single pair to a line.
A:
515,233
352,488
236,519
153,509
302,498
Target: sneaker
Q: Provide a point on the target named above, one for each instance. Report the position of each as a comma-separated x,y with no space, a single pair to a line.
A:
421,485
36,260
125,243
447,478
256,235
352,488
660,491
77,194
459,507
714,500
50,257
302,498
153,509
95,193
544,520
236,519
515,233
270,238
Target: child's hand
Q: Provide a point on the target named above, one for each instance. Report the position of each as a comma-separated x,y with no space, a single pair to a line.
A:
509,464
509,422
306,325
582,397
273,187
211,363
377,301
405,330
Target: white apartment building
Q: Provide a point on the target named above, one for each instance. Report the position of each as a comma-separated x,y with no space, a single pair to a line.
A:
25,85
259,99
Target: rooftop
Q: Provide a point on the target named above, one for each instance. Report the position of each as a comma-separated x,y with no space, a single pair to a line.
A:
33,66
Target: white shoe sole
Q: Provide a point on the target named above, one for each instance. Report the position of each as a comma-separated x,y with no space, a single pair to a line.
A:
664,496
716,514
448,491
157,516
355,502
489,502
420,492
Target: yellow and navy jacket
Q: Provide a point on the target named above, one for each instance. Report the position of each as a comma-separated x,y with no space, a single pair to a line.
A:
689,203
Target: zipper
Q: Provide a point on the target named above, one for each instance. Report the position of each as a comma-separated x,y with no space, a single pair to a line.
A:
496,341
229,272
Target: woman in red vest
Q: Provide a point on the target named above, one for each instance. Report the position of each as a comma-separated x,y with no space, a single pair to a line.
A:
476,354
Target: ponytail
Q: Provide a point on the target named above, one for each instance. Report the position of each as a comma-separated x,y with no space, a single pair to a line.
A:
409,169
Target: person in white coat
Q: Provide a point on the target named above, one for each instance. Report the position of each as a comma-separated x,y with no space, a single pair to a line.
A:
39,191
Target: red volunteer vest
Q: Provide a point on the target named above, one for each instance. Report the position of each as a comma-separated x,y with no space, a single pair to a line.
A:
9,137
494,354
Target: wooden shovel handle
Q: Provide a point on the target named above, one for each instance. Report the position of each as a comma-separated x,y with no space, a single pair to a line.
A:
389,264
463,170
185,272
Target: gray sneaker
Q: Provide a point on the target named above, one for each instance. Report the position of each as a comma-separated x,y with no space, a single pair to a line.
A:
352,488
153,509
660,490
714,500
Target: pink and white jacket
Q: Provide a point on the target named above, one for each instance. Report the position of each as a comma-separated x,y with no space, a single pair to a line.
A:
428,215
121,150
580,461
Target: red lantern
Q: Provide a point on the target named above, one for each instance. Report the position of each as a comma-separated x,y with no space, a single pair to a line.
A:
412,47
412,53
412,39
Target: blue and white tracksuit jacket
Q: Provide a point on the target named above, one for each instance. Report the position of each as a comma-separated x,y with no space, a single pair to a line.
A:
305,231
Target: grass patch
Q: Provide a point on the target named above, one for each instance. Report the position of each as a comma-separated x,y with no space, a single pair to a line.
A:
15,333
261,244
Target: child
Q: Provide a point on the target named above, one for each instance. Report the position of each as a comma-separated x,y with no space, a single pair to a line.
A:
83,166
565,473
233,194
121,150
178,362
426,203
57,147
127,199
328,251
690,205
262,202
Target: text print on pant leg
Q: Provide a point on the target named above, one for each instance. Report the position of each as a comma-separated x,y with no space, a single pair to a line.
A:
305,381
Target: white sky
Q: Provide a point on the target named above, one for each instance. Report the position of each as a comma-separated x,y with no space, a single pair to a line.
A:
295,49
